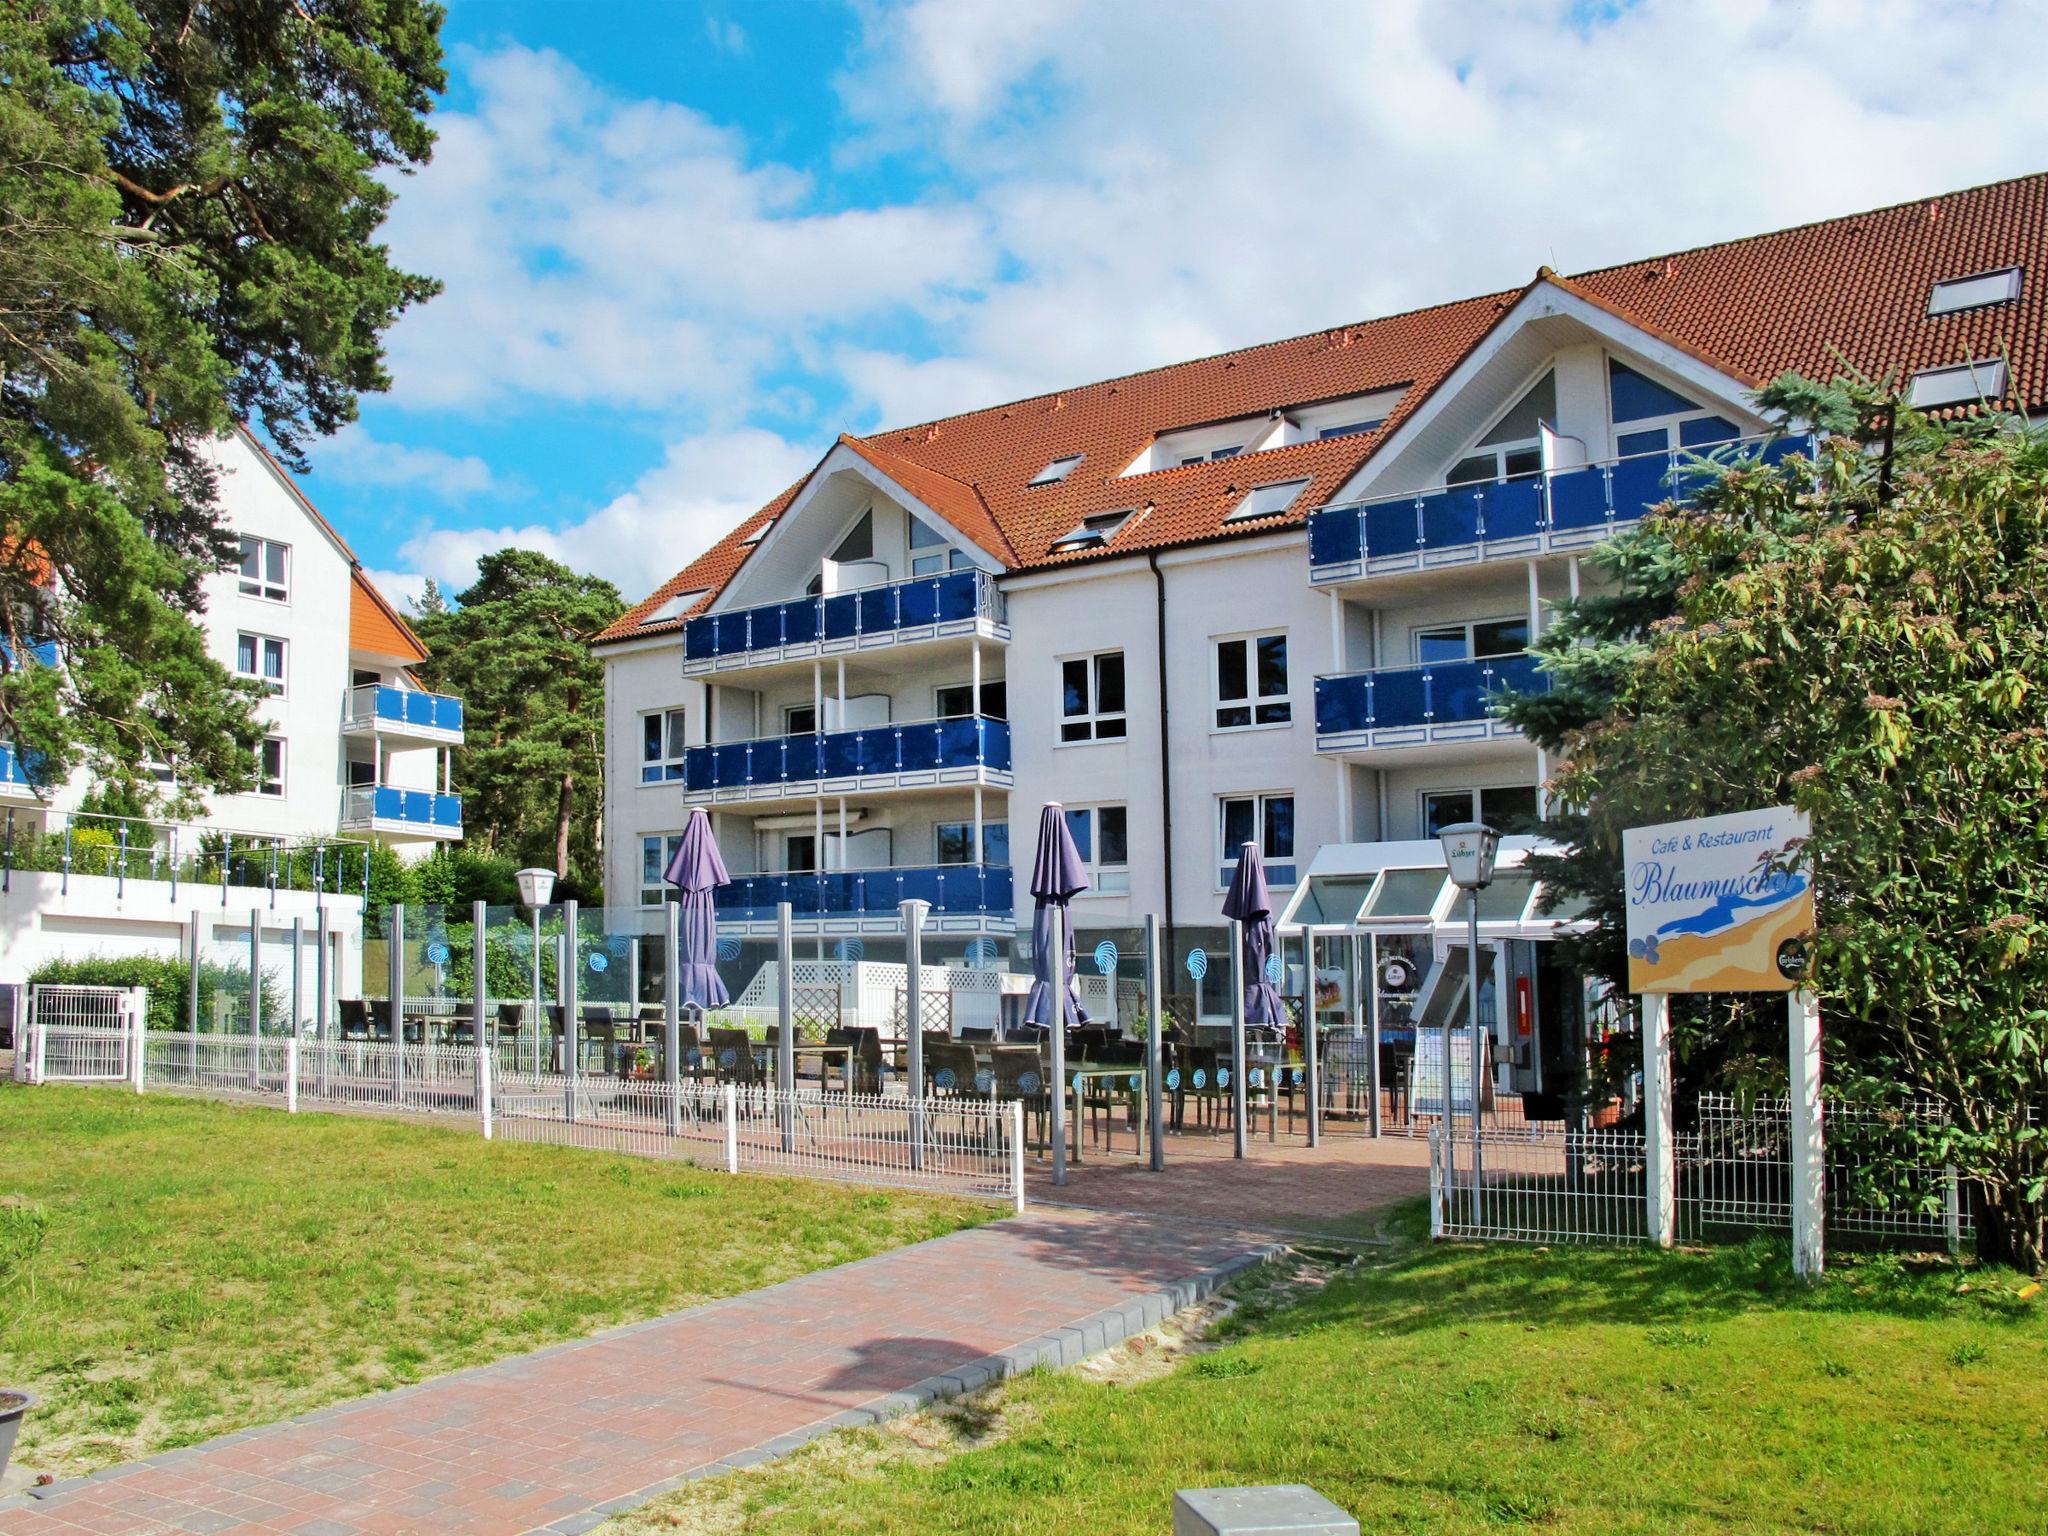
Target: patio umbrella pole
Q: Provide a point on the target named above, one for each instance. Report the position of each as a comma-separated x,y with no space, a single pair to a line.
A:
785,1021
913,1020
672,1013
1155,1006
1237,1095
395,973
480,1002
323,986
1056,928
1310,1063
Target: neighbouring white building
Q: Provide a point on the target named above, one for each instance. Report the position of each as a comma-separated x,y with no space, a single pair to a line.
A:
356,753
1261,596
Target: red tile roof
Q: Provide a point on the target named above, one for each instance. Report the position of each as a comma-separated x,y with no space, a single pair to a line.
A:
1804,300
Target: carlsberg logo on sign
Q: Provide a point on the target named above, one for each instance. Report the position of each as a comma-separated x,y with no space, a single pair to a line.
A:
1721,904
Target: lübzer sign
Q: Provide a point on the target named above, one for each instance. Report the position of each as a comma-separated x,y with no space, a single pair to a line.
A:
1719,904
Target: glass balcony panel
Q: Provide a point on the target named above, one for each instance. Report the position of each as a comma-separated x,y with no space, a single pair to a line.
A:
700,639
842,615
1578,498
927,885
1400,696
958,596
917,602
800,621
1458,691
878,610
1639,484
1335,536
964,741
918,746
1343,703
1514,508
1451,517
1391,528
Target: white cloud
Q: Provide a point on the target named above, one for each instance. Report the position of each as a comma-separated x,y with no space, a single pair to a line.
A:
354,456
401,589
677,510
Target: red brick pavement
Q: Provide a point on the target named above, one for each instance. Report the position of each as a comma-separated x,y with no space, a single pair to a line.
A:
554,1440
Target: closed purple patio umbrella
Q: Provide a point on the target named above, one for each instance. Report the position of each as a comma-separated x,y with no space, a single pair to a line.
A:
1250,903
1056,878
696,870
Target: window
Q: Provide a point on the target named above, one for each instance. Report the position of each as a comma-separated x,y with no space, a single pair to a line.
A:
1057,470
939,563
1230,451
1102,837
1513,448
662,742
958,699
799,719
265,569
655,852
759,533
1092,697
955,841
260,657
1509,808
800,852
1964,384
1349,429
1251,682
1952,294
1267,820
1466,642
859,543
1268,500
924,536
1094,531
270,767
1659,419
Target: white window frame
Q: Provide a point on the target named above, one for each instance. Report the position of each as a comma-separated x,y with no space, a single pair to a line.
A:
264,783
1226,857
1104,879
667,767
260,649
1253,701
665,844
1478,794
1094,717
1417,631
789,724
260,585
1668,424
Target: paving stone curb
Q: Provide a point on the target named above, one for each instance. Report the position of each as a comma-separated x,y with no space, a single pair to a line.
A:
1058,1350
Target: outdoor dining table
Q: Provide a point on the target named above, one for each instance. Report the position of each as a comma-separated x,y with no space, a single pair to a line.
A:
1130,1077
828,1056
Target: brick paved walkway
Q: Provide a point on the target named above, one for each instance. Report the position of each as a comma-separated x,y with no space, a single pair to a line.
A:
554,1440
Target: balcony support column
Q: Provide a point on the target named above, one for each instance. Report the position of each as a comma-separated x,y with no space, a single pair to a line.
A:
980,853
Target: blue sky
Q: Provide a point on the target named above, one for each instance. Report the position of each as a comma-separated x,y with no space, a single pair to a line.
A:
686,244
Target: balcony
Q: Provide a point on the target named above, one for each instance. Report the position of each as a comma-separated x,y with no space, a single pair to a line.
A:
902,613
1563,510
16,780
378,709
963,897
1420,706
408,813
921,754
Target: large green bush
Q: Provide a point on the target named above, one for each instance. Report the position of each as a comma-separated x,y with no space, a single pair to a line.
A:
168,982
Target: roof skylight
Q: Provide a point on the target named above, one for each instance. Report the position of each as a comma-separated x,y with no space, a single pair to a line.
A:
1094,531
675,607
759,533
1057,470
1268,500
1961,384
1972,292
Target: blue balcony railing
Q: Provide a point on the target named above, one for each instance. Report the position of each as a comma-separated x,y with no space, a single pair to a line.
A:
955,597
963,741
1440,693
424,808
381,704
16,768
1591,498
952,890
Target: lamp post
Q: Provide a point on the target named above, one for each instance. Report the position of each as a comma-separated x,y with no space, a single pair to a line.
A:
535,887
1469,850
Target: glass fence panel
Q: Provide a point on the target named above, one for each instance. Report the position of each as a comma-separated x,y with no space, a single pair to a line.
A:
1335,536
1400,696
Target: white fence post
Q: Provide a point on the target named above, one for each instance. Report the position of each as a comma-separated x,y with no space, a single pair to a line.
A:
483,1091
38,1056
732,1129
138,1033
1016,1108
291,1074
1436,1181
1659,1187
1809,1151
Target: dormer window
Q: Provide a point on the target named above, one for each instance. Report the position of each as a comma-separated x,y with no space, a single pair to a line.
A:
1057,470
1954,293
1094,531
1268,500
1962,384
1228,451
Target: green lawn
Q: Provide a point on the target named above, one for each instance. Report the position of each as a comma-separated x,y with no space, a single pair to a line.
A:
208,1266
1468,1389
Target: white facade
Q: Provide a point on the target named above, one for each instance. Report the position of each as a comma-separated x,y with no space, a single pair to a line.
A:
1195,754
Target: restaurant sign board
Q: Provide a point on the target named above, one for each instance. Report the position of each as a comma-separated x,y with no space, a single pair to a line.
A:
1719,903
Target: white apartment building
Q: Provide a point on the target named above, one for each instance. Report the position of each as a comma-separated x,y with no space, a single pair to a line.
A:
1267,595
355,751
